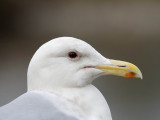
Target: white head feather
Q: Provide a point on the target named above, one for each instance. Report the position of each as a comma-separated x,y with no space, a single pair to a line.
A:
51,66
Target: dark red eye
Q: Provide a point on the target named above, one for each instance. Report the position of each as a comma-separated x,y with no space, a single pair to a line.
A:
72,54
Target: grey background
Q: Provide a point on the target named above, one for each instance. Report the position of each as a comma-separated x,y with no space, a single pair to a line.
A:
124,30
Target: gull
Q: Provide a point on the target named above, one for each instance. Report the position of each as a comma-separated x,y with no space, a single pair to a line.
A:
60,77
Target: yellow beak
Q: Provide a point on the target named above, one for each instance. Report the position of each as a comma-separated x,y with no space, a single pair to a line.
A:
121,68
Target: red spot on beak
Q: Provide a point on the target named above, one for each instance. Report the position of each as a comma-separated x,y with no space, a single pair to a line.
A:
130,75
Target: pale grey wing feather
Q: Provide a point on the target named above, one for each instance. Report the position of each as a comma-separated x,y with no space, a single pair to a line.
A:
33,106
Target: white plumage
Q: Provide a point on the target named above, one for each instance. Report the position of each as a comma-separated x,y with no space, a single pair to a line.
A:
59,83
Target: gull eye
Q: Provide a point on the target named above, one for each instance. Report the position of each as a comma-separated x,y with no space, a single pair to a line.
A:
72,55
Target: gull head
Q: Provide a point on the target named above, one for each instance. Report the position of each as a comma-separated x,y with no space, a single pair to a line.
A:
70,62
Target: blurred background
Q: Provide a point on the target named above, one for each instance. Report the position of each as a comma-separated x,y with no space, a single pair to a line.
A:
124,30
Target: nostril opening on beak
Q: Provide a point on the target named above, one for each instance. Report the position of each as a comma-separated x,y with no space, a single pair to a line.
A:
121,65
